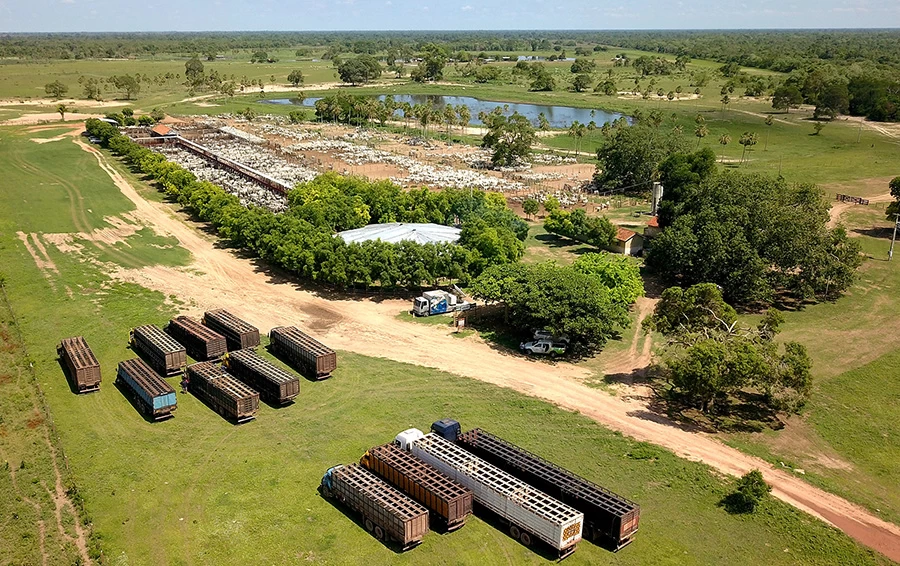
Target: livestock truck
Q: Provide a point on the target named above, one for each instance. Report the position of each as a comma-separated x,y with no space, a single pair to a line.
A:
608,518
449,501
529,512
238,333
438,302
308,355
84,369
275,385
201,343
386,512
152,396
224,394
163,352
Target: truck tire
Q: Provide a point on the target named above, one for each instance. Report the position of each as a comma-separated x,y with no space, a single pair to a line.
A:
326,492
379,533
525,539
370,526
515,532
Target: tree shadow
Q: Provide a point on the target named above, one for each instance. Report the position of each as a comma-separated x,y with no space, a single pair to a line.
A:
554,241
744,411
881,232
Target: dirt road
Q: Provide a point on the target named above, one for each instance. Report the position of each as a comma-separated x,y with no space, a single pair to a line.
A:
219,278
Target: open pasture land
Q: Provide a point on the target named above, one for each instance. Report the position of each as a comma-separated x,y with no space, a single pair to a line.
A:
196,489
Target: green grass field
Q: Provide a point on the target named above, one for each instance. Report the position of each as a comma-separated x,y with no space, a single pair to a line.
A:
198,490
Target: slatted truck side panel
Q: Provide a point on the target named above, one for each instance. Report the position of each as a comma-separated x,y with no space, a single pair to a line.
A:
153,396
607,515
307,354
201,342
447,499
238,333
224,394
84,369
530,512
386,512
163,352
275,385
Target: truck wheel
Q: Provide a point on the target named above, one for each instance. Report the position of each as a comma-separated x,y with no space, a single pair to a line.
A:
370,526
525,539
515,532
379,533
326,492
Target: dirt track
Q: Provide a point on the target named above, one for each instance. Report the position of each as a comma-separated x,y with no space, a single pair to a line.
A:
219,278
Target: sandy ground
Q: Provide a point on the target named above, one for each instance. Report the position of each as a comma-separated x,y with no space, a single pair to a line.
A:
838,208
265,298
67,101
40,117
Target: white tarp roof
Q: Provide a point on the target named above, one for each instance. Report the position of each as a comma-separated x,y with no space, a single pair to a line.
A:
394,232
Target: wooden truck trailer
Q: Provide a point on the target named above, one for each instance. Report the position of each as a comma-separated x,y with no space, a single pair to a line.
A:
386,513
312,358
163,352
275,385
84,369
201,343
224,394
238,333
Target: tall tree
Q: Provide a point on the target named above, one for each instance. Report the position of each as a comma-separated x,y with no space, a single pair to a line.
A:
748,140
510,137
62,109
295,77
56,89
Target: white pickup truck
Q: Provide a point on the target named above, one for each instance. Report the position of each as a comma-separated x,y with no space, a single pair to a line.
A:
544,347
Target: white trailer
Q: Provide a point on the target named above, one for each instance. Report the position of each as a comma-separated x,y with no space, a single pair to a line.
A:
529,512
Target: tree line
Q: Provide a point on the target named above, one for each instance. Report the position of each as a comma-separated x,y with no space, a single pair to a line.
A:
302,241
759,238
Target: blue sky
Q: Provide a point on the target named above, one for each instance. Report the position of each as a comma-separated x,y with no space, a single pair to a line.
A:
226,15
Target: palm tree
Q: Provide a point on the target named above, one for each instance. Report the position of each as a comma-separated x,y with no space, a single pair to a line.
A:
748,139
724,139
407,110
725,101
62,109
701,132
577,131
449,116
769,121
543,123
464,114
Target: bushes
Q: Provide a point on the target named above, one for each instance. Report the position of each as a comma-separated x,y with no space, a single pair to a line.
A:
302,239
577,225
557,298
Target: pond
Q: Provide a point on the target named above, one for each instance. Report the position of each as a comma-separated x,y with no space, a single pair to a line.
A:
560,117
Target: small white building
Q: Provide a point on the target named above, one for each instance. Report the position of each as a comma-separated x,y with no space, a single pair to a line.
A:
627,242
394,232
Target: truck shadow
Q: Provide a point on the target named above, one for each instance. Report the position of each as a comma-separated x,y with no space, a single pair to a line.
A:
123,389
538,546
359,522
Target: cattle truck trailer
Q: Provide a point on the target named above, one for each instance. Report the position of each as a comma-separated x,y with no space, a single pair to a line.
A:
275,385
308,355
163,352
607,517
153,396
386,512
201,343
449,501
529,511
84,369
224,394
238,333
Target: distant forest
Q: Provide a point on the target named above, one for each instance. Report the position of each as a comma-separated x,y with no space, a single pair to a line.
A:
857,71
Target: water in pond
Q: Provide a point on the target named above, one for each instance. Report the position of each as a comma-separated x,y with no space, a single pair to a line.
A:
559,116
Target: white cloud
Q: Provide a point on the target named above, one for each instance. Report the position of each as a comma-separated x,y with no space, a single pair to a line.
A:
467,8
66,1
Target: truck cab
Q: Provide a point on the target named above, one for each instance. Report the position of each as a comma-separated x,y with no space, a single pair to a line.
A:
543,347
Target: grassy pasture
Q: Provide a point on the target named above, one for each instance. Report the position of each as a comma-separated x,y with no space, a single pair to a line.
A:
197,490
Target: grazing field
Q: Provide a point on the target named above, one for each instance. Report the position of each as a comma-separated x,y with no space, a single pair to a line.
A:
196,489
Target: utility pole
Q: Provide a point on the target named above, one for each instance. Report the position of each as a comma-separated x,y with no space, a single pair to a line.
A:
894,237
859,131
